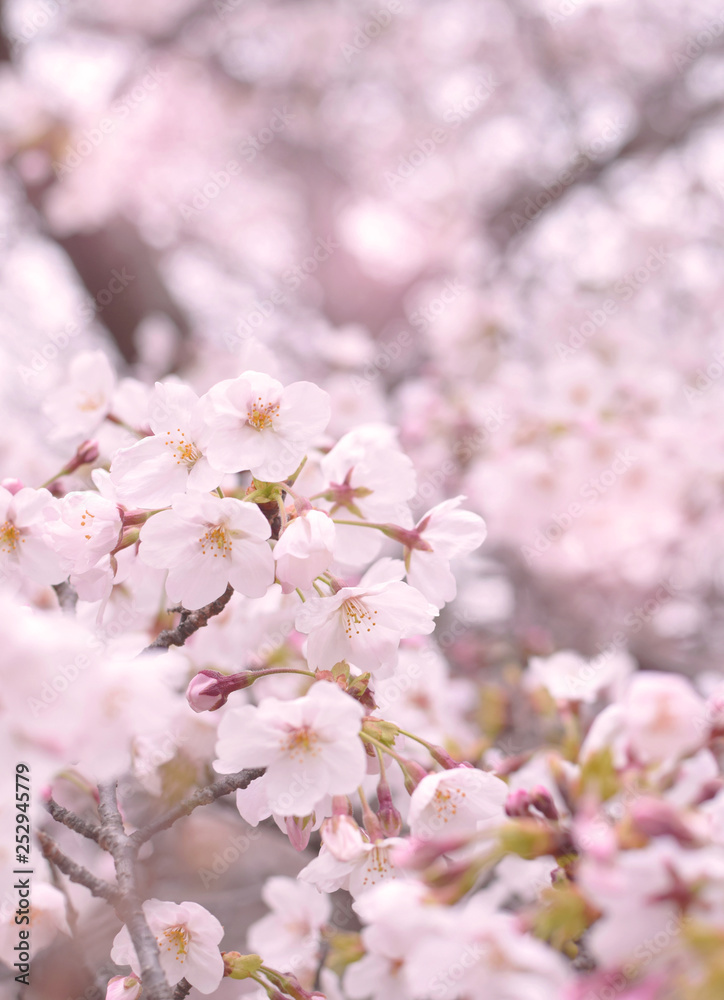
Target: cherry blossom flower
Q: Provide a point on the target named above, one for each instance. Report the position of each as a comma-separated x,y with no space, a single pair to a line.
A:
350,861
364,625
80,405
207,542
663,716
310,746
304,550
368,479
256,423
456,801
87,528
289,938
171,460
444,533
25,545
188,938
568,676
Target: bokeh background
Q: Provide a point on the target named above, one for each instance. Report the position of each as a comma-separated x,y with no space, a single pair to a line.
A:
495,225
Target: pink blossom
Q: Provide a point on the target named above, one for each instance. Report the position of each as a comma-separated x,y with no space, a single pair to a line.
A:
123,988
304,550
289,938
310,746
445,533
81,403
256,423
25,545
207,542
456,801
188,938
172,459
364,625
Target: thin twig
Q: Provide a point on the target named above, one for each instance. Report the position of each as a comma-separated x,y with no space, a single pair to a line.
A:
75,872
129,907
229,783
182,990
191,621
72,821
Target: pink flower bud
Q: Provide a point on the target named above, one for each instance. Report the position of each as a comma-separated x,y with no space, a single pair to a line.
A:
389,817
414,773
204,693
542,800
12,485
342,837
123,988
444,759
518,803
299,830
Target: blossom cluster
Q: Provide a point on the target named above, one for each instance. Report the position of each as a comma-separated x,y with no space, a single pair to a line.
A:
573,854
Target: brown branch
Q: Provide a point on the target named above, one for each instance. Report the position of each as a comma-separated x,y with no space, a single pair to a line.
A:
229,783
62,815
129,906
75,872
67,597
182,990
191,621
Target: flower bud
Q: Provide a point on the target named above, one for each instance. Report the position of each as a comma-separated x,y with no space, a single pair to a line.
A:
655,818
414,773
238,966
123,988
12,485
299,830
518,803
342,837
204,694
389,817
542,800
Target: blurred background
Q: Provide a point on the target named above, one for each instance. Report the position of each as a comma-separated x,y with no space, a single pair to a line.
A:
495,225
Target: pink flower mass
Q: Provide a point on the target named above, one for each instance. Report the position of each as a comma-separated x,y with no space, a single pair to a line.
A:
361,503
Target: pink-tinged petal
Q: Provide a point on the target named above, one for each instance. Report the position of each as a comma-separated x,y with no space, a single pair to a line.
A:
204,969
171,406
234,446
295,785
245,740
319,610
6,498
147,474
29,505
252,568
197,582
203,476
327,644
167,540
430,573
281,457
40,562
253,801
304,412
346,766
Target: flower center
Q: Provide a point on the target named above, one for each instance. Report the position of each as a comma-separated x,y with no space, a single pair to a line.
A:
9,537
216,542
261,415
186,451
86,401
177,939
301,742
446,802
83,516
357,617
